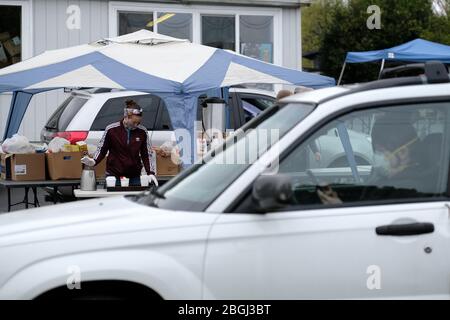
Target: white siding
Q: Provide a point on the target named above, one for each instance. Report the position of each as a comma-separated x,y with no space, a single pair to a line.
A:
291,38
5,100
50,32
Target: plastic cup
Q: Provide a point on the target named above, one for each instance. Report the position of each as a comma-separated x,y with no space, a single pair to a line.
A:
110,182
144,181
125,182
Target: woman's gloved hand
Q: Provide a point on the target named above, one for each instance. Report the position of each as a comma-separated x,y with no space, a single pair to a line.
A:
152,178
88,161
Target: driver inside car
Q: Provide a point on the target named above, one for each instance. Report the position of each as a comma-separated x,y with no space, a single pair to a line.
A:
395,145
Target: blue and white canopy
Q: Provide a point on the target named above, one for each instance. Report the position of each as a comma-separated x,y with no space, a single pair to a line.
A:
175,69
418,50
146,61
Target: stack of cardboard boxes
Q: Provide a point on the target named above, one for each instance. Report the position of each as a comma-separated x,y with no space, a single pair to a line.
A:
10,49
67,165
42,166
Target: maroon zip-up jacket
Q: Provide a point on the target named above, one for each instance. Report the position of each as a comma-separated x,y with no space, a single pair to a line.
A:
127,151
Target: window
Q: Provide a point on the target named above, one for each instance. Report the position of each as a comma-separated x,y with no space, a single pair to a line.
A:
177,25
219,31
392,153
253,105
53,121
256,37
69,111
133,21
254,32
112,111
10,35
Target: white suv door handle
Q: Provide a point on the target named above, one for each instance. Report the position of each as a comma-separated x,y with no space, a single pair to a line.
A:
401,230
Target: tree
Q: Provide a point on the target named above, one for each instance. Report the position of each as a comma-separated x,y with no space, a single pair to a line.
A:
346,30
315,22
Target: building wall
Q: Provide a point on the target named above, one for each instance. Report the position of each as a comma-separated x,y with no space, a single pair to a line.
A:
50,32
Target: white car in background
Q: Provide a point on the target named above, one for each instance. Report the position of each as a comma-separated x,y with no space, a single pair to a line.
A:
85,114
244,231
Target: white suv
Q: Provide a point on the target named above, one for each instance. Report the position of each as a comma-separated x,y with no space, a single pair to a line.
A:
248,231
85,114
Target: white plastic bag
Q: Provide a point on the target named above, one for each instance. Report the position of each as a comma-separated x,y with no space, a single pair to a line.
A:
40,148
17,144
91,149
57,144
166,148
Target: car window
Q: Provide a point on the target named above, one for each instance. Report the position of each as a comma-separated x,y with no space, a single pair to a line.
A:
164,123
112,111
197,187
254,105
69,111
52,122
372,156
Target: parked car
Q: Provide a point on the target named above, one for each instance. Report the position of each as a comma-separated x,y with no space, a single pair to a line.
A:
250,231
85,114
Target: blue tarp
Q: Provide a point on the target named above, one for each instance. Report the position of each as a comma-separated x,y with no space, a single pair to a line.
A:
418,50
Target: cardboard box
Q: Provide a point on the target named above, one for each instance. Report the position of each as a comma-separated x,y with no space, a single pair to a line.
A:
23,167
16,59
4,174
64,165
164,165
100,169
4,36
12,48
3,57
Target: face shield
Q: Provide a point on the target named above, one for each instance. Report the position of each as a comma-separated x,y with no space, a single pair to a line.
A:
133,117
387,163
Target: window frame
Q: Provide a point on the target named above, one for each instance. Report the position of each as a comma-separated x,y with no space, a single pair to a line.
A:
124,98
197,11
26,36
235,203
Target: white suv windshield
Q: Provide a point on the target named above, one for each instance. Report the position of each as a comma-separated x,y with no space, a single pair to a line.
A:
195,189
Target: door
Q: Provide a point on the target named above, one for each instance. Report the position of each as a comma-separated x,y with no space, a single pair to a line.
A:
373,231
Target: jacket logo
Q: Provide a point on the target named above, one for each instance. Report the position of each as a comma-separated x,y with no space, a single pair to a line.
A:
138,139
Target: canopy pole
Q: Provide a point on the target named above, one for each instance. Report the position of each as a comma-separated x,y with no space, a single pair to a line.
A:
342,73
382,68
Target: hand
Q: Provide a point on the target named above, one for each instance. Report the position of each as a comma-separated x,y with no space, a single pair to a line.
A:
88,161
329,197
317,156
153,179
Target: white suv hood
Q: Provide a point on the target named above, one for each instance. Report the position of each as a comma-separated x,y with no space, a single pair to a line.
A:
91,218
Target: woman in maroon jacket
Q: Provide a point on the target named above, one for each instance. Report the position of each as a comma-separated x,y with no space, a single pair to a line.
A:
129,147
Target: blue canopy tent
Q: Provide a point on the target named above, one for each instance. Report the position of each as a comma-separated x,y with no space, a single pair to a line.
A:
418,50
174,69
